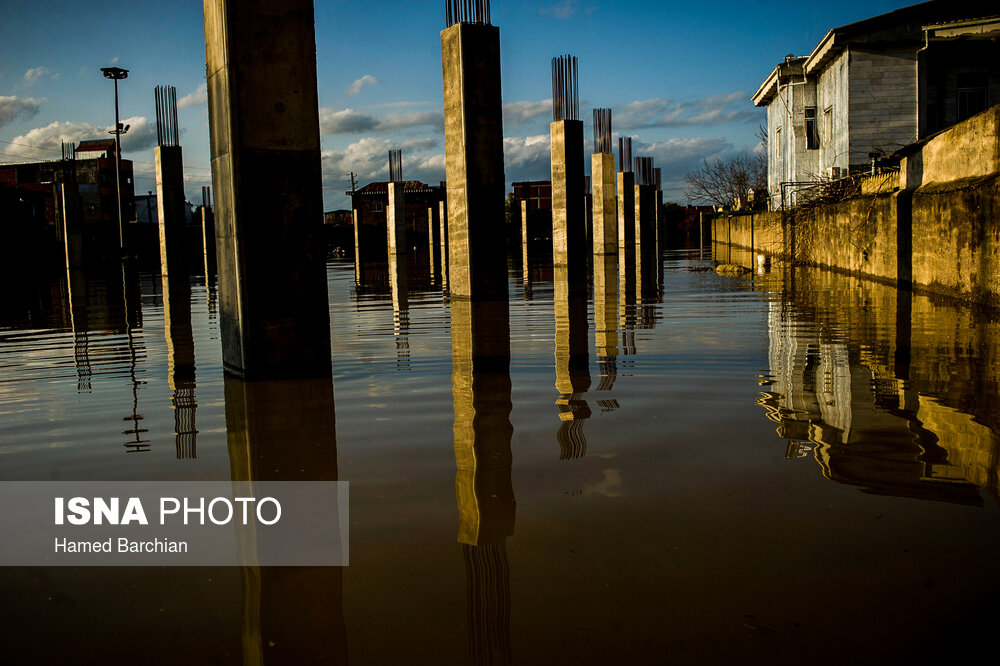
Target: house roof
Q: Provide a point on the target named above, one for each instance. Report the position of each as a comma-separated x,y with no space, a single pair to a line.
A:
95,146
902,27
380,188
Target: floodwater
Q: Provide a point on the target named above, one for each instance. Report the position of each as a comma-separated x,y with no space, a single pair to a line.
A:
791,467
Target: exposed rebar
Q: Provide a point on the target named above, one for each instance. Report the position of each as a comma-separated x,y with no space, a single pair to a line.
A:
643,170
565,88
658,178
167,131
395,166
625,154
467,11
602,131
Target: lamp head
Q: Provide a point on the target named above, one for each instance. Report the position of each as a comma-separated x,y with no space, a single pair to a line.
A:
114,73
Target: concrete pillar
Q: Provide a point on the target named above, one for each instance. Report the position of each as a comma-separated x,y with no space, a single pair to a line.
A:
433,246
470,56
170,205
398,255
572,363
286,431
357,246
645,239
626,230
480,347
443,235
606,318
569,230
588,212
264,127
602,169
395,216
525,237
70,212
208,239
661,225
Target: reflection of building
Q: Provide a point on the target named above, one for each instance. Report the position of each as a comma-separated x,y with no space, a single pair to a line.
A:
872,87
863,426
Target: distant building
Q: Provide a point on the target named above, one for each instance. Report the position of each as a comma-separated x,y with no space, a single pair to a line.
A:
147,212
371,202
869,88
538,193
81,187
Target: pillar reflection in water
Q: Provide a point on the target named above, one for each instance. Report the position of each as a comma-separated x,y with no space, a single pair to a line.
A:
480,338
286,431
572,363
180,360
606,318
399,288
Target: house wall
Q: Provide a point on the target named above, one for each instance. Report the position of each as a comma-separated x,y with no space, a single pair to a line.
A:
832,99
882,102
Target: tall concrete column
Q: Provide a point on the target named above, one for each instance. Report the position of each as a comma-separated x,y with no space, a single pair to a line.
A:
264,127
569,230
645,238
470,56
525,237
357,246
626,226
433,245
170,205
398,254
602,167
395,215
443,235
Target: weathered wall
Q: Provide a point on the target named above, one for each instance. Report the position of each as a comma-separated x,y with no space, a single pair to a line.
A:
832,95
956,238
966,150
883,116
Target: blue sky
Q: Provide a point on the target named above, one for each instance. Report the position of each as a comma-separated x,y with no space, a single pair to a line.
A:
678,77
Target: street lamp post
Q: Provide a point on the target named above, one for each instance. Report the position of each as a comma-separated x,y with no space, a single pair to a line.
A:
116,74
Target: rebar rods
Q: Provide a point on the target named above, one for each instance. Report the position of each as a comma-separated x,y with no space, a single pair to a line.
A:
167,131
565,88
625,154
644,171
602,131
395,166
467,11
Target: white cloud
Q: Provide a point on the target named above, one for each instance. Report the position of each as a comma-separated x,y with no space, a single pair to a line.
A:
527,158
349,121
516,114
564,9
114,61
712,110
14,108
46,142
196,97
366,80
369,159
33,75
676,157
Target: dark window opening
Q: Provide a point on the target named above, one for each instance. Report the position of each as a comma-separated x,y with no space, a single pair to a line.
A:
971,94
812,130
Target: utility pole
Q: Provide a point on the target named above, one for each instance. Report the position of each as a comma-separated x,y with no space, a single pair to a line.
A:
353,186
117,74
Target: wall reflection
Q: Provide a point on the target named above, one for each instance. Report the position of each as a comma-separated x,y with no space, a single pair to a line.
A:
885,390
480,339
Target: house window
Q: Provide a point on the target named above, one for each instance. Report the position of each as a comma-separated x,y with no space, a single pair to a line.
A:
971,94
377,206
777,143
812,131
828,122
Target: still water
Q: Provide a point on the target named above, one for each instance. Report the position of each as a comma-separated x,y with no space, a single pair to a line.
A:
793,467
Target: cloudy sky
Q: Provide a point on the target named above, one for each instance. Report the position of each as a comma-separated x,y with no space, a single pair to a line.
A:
678,77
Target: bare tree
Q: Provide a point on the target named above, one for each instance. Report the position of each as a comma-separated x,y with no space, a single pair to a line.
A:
720,182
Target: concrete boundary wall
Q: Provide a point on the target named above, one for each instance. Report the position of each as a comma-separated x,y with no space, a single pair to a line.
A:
940,235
